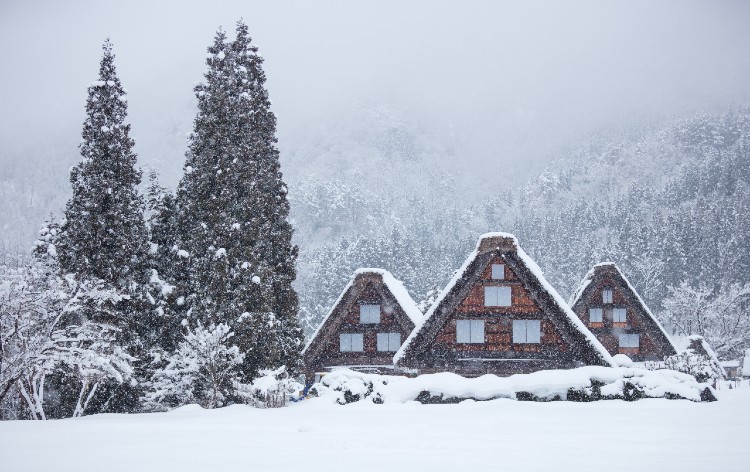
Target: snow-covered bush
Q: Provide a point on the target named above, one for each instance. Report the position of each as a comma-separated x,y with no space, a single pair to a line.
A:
721,317
41,335
272,389
691,362
581,384
204,369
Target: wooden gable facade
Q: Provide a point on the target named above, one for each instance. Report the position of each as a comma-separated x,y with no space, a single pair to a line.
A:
619,318
365,327
499,315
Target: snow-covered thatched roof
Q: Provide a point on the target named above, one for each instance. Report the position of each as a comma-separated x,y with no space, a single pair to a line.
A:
611,266
499,241
394,286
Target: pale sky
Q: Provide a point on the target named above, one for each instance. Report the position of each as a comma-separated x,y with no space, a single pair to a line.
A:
515,81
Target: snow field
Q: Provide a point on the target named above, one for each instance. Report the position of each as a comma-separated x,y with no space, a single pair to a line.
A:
647,435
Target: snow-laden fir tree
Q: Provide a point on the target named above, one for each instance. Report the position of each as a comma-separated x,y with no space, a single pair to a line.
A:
104,236
162,317
103,240
234,236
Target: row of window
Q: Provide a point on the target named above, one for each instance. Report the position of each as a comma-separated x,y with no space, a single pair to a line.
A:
354,342
619,315
467,332
524,331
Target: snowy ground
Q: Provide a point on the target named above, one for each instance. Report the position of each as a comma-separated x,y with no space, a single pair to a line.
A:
647,435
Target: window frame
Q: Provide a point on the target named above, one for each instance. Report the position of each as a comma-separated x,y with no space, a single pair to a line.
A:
390,339
475,331
523,326
351,344
605,298
494,273
600,312
624,315
362,311
629,337
498,289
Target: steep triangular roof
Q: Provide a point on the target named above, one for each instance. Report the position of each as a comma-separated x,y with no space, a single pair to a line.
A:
616,274
395,290
550,302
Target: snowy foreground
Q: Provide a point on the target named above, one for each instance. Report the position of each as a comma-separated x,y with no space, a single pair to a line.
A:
650,434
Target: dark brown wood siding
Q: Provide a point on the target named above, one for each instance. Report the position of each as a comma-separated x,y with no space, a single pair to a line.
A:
366,289
653,345
498,354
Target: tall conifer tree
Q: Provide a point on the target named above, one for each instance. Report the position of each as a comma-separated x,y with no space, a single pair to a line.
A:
233,211
104,236
103,241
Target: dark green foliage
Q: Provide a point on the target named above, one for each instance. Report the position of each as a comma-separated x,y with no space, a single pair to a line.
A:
103,240
236,259
104,235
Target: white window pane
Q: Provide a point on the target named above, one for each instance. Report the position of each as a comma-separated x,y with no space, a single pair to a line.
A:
519,331
357,342
477,331
533,331
634,340
383,344
498,271
595,315
503,298
394,341
345,342
619,315
369,314
463,331
490,296
607,296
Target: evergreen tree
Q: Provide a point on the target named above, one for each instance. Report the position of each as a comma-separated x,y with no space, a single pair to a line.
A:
103,241
233,211
104,236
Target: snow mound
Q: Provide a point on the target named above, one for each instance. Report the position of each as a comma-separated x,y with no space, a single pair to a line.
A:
582,384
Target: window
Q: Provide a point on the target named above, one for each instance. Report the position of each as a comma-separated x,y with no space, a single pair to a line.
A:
369,314
496,296
351,342
619,315
629,340
389,342
595,315
607,295
527,331
470,331
498,271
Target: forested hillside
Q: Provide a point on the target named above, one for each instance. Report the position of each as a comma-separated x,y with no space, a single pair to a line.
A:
669,206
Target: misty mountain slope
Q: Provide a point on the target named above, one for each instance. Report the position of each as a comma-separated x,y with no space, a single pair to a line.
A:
667,206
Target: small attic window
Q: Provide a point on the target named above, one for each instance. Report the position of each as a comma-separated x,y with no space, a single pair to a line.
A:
351,342
497,296
629,340
470,331
369,314
498,271
607,295
389,342
527,331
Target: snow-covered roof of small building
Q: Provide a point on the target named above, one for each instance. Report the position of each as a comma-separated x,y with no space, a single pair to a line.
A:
590,276
395,286
492,239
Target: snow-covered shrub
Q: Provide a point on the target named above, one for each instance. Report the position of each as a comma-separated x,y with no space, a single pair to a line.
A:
582,384
42,335
696,364
271,390
204,369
